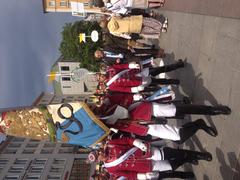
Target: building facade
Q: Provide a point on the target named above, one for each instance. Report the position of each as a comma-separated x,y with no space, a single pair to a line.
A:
65,6
75,80
60,5
70,79
28,159
48,98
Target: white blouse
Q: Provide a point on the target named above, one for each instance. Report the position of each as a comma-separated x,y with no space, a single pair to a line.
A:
119,6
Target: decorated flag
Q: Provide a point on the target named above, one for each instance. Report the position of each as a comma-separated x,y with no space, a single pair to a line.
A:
72,123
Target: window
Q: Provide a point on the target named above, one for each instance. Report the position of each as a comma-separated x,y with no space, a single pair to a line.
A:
14,145
66,79
46,151
59,161
32,177
8,177
32,145
49,145
10,151
91,99
64,68
66,151
39,161
51,3
67,87
80,98
18,139
80,169
20,161
3,161
70,97
16,169
53,177
34,140
1,168
36,169
66,145
63,4
56,169
28,151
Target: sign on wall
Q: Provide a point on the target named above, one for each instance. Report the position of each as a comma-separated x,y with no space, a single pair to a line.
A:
77,9
94,36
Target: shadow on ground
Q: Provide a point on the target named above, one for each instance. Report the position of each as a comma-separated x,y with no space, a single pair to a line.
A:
190,83
229,171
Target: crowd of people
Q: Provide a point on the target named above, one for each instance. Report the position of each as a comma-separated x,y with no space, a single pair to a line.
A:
134,102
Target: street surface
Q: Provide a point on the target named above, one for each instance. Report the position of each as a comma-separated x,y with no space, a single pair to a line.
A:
221,8
211,47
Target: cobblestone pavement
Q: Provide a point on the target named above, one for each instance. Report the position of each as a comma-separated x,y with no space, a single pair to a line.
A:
222,8
211,47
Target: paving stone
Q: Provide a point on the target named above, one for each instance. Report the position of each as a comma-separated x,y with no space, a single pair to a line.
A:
221,82
212,77
229,27
209,34
222,8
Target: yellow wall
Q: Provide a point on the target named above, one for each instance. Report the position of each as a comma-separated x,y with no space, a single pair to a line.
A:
61,5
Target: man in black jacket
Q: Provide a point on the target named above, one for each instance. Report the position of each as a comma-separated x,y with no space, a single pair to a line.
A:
112,55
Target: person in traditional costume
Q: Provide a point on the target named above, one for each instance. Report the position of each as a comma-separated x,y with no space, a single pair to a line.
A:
146,110
122,43
177,134
129,78
125,26
112,53
122,6
122,112
120,119
134,159
108,101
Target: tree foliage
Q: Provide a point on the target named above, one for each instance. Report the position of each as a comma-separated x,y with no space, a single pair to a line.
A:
83,52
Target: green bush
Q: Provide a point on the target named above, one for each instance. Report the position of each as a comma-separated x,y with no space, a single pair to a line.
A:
83,52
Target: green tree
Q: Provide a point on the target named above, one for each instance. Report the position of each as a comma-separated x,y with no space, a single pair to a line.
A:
83,52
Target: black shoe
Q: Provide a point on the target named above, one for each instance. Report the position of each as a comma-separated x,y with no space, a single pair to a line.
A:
223,110
174,81
188,175
187,100
204,156
180,63
209,130
160,120
193,156
176,174
182,175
